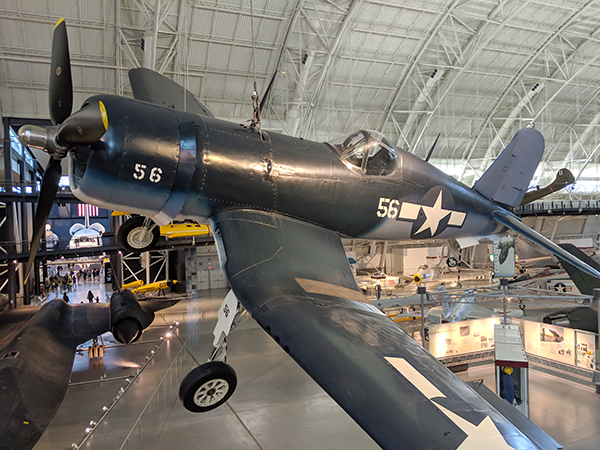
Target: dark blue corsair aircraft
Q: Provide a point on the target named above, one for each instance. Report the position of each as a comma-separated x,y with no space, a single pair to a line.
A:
278,206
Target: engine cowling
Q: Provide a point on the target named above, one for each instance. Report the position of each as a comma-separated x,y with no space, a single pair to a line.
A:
147,151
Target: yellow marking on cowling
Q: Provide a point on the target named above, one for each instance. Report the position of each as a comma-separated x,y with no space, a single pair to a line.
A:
104,115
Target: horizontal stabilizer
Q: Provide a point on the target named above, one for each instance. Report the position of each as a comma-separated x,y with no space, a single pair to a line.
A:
526,426
508,178
150,86
514,223
585,283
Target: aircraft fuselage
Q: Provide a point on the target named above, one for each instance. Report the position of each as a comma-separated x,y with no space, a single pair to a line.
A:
176,165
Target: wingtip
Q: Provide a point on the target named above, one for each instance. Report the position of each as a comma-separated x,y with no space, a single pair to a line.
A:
595,273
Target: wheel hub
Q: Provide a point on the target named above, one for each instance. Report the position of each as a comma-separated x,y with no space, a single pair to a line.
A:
211,392
140,237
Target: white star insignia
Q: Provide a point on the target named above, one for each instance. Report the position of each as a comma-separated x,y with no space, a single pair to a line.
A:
433,215
486,435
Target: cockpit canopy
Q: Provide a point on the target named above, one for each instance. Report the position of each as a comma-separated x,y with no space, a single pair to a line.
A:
369,151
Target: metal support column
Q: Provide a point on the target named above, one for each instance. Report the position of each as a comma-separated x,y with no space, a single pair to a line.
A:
117,268
597,302
12,274
504,285
12,284
422,291
45,271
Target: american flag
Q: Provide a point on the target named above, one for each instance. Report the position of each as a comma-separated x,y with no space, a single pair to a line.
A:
93,211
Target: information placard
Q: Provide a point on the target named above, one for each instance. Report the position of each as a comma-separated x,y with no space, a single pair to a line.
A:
550,341
467,336
585,349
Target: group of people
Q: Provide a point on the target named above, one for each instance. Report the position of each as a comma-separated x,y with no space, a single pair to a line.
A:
90,297
69,280
66,282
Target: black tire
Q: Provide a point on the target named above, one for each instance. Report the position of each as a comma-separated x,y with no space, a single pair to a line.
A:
208,386
130,232
452,262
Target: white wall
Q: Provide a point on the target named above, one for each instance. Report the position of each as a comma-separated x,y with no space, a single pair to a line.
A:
414,257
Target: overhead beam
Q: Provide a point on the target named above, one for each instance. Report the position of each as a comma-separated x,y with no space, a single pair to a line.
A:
326,66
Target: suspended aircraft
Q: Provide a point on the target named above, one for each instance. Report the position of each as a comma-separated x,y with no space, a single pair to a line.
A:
563,178
433,276
138,286
278,206
140,234
579,318
86,235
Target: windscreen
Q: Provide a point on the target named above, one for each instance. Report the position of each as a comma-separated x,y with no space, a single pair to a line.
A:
368,151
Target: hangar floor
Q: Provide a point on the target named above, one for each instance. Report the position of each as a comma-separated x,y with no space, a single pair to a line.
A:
276,405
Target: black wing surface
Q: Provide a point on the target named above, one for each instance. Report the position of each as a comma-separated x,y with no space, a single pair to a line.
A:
36,359
150,86
295,280
584,282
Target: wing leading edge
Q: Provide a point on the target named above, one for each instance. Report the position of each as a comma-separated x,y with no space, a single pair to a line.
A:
295,280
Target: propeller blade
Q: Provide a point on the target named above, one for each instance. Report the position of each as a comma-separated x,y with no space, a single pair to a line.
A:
84,127
61,85
45,202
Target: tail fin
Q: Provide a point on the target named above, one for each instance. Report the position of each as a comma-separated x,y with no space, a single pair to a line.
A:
584,282
508,178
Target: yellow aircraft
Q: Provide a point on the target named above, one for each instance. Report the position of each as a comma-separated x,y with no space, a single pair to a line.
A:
140,234
138,286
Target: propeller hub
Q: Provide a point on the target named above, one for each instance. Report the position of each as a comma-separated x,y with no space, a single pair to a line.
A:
41,137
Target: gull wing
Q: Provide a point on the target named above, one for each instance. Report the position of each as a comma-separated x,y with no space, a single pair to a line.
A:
295,280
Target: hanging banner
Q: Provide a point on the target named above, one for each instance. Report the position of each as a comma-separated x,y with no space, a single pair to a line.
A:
504,257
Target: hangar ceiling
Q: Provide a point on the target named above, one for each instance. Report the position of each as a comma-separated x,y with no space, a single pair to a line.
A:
472,71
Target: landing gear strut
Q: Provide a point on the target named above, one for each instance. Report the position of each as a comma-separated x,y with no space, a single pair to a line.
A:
96,350
211,384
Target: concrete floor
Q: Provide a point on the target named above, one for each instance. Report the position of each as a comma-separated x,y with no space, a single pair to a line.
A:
276,405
